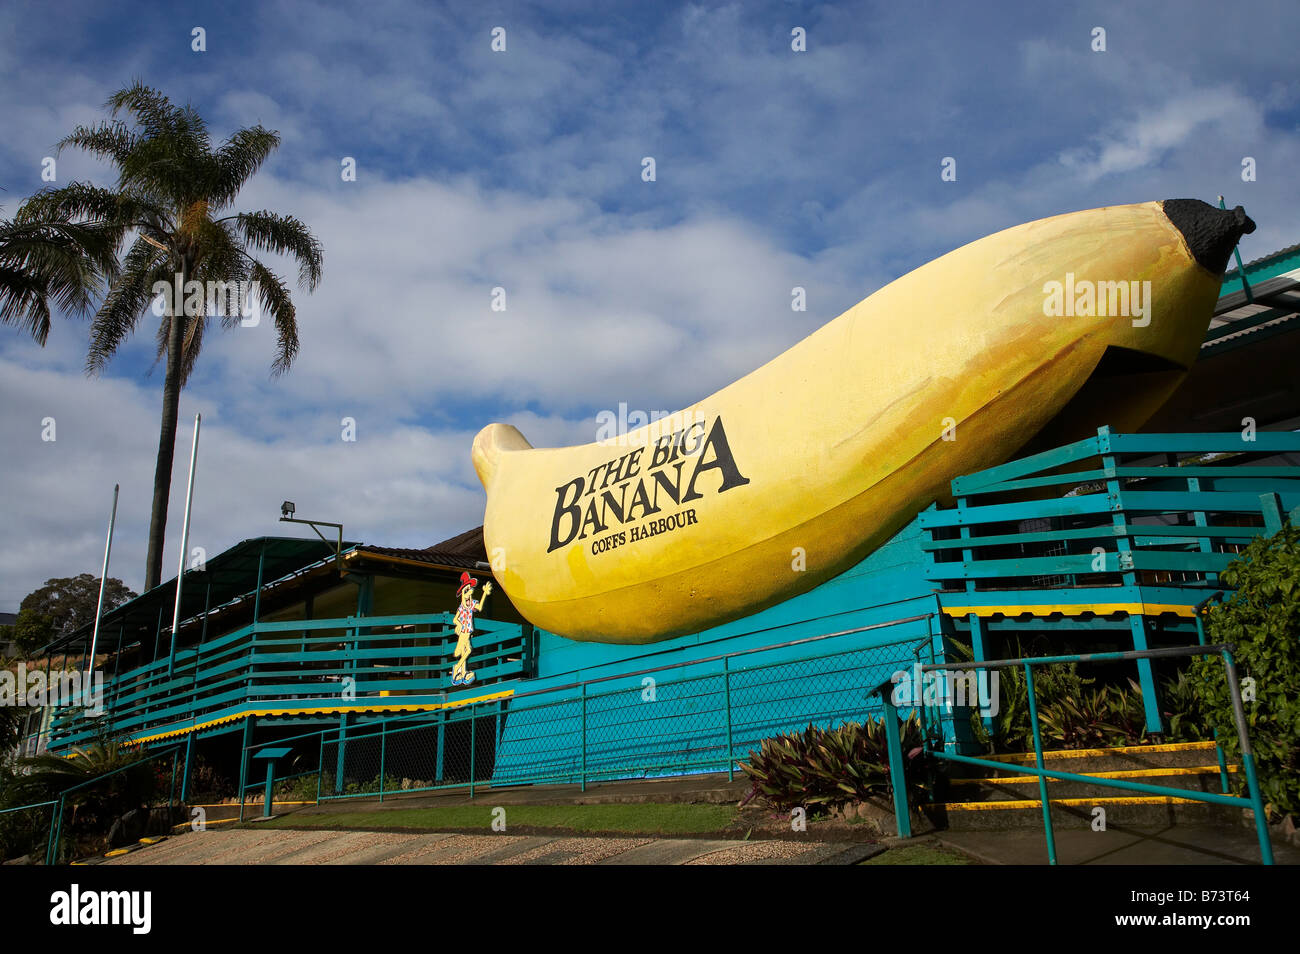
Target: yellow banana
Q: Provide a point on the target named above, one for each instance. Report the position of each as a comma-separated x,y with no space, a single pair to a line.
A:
797,471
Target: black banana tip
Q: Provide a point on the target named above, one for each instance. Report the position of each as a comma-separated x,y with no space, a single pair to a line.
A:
1211,233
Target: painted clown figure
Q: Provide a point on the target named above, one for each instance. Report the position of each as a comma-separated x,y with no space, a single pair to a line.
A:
460,674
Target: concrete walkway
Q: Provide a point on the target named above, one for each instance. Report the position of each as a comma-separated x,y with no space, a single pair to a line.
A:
287,847
1176,845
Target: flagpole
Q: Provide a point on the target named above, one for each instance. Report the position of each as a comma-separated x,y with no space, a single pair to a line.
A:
185,543
103,581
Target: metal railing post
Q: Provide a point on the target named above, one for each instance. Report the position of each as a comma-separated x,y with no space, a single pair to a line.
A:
726,705
1248,760
473,739
583,734
1038,760
383,755
897,775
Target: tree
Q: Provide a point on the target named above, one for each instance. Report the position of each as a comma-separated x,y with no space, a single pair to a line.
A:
55,261
172,188
1262,622
63,606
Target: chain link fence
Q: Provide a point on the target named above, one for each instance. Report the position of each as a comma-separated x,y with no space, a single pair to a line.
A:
703,716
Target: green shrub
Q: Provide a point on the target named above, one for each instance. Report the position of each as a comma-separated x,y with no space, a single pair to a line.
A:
822,768
1262,621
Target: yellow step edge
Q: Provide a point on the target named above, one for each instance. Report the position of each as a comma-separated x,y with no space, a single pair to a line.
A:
207,824
1127,773
1099,753
1011,804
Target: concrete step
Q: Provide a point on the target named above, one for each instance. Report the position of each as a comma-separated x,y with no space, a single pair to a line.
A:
1203,778
1006,800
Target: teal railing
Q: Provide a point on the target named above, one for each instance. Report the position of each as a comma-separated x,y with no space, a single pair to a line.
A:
372,661
1251,800
1153,510
685,718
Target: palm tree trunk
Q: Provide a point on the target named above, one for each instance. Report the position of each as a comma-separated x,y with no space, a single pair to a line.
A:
162,477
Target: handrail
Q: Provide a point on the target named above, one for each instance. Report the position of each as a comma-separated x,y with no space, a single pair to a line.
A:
1253,800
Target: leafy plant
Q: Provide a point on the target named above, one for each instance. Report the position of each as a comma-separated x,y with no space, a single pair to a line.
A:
1262,622
822,768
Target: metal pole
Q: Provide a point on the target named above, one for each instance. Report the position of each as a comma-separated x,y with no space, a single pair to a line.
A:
897,773
103,579
726,705
185,543
383,755
1248,760
1038,758
584,737
472,745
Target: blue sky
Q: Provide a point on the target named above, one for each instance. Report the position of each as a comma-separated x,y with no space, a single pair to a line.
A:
522,169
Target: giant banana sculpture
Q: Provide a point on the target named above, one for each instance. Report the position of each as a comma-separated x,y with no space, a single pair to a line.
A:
800,469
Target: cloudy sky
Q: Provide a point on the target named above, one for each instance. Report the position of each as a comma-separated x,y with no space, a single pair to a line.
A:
523,169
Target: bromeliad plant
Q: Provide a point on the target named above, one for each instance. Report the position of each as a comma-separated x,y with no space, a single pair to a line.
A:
823,768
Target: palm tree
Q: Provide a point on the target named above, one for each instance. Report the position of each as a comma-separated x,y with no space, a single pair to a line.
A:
55,261
172,190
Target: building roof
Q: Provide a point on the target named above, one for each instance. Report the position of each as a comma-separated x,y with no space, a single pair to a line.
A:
230,575
465,551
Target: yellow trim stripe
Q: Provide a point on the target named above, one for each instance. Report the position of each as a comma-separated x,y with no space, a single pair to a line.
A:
1077,609
1098,753
1011,804
1127,773
319,710
207,824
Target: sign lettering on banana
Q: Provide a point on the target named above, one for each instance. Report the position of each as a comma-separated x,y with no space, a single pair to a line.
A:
1025,339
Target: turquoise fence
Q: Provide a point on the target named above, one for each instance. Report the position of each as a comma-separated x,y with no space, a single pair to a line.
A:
355,661
702,716
1157,510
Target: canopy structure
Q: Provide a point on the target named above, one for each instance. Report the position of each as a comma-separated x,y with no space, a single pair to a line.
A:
236,573
1246,367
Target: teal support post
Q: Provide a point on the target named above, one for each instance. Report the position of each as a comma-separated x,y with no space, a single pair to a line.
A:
442,737
1224,784
270,755
243,761
472,746
383,755
978,654
171,789
1248,760
897,775
1146,676
1038,760
1204,544
189,764
726,708
583,734
341,761
1124,564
